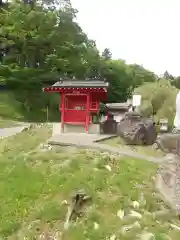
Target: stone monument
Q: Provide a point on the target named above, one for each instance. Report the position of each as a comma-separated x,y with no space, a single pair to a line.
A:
136,130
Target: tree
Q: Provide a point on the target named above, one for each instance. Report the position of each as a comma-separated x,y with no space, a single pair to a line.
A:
176,82
141,75
168,76
43,39
106,54
119,76
39,43
158,100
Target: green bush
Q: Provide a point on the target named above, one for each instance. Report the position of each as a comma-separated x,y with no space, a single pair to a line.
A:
158,100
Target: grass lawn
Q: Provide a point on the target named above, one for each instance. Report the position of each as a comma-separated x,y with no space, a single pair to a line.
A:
35,183
148,150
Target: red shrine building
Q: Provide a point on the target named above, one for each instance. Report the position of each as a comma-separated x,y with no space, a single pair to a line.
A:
79,101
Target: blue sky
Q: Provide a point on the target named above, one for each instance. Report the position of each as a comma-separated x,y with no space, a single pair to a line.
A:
146,32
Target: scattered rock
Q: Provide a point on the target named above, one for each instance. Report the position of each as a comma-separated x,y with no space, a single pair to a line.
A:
66,225
135,214
96,169
64,202
96,225
135,204
108,168
175,227
45,147
142,200
109,156
120,214
136,225
153,178
127,228
146,236
114,157
48,234
113,237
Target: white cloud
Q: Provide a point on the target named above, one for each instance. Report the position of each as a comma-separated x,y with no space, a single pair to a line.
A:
141,31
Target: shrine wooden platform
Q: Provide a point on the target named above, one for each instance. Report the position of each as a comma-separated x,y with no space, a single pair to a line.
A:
77,139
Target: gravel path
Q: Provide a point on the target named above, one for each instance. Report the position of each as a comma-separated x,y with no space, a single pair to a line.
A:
7,132
83,141
88,141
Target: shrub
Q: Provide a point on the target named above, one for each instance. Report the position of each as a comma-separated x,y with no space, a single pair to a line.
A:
158,100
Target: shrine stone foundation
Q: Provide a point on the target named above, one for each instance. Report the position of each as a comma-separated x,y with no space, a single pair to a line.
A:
68,128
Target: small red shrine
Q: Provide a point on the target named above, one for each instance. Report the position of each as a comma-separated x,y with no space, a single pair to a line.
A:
79,100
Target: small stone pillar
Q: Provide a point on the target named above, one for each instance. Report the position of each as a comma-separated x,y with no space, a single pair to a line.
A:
56,129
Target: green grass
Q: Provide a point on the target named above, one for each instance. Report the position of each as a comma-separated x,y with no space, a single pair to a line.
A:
148,150
35,183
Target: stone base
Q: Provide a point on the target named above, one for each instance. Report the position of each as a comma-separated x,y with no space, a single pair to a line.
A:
69,128
168,183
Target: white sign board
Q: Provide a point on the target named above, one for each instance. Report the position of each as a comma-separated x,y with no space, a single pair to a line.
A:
136,102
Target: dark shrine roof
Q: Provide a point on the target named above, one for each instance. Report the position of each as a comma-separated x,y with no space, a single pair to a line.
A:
81,84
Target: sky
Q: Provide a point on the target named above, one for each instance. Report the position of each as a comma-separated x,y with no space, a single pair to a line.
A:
146,32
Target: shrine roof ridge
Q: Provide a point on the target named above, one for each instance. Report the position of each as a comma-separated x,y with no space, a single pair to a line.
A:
118,105
86,84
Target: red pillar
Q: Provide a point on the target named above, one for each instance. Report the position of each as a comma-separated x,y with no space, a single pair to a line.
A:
87,113
62,111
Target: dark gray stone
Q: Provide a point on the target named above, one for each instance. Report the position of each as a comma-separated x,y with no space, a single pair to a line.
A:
136,130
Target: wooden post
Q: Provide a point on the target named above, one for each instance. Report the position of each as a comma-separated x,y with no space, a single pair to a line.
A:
62,111
87,114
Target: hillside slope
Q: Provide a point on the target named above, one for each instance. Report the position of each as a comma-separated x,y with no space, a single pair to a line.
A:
16,106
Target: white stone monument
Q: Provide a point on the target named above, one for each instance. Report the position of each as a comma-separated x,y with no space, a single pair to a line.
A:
177,116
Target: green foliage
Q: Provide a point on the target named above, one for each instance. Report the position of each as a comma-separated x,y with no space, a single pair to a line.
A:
176,82
39,43
106,54
158,100
141,75
119,76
